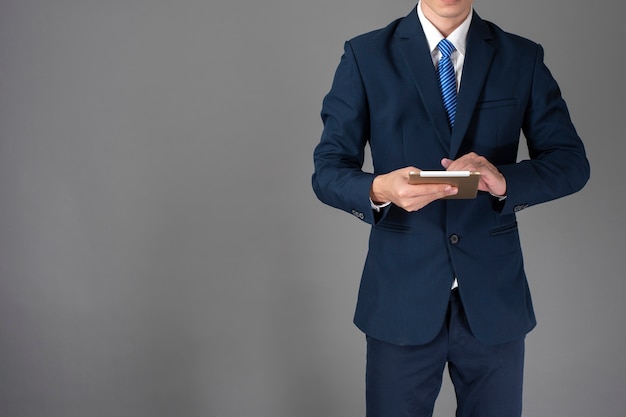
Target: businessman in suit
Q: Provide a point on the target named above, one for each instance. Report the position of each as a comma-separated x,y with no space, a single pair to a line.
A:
444,280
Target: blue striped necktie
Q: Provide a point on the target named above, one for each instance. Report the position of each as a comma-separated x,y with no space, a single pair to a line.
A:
447,79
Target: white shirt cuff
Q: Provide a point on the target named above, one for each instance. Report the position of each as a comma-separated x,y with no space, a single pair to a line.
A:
499,197
377,207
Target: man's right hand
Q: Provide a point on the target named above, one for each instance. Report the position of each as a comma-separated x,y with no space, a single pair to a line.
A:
395,187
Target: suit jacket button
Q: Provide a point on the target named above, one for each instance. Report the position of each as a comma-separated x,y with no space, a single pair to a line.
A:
519,207
358,214
454,239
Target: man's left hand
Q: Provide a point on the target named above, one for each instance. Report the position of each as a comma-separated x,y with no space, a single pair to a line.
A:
491,180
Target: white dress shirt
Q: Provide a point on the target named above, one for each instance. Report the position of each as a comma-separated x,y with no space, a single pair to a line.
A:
458,38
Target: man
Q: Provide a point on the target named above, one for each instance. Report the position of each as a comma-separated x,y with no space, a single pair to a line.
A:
443,281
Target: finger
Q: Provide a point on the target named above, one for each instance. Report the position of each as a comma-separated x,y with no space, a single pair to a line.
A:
427,195
464,163
406,173
424,190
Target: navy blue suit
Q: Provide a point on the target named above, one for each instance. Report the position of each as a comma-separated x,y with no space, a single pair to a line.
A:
385,93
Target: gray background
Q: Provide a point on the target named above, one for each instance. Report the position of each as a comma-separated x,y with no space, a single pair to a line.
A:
161,250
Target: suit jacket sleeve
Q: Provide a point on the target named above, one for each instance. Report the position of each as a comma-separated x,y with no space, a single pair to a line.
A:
339,180
558,165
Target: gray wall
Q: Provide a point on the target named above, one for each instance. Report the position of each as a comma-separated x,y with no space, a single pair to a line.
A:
162,253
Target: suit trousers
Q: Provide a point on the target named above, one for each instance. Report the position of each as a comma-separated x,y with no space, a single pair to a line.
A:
404,381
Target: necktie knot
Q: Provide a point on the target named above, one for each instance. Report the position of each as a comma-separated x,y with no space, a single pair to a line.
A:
446,48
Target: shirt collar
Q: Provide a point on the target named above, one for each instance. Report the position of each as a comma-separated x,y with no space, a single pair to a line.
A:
433,36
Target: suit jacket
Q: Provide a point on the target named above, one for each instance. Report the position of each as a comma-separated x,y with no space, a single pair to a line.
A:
385,93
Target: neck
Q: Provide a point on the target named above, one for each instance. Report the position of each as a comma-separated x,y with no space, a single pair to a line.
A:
446,24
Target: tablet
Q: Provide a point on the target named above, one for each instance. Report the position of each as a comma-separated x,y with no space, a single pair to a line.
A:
465,181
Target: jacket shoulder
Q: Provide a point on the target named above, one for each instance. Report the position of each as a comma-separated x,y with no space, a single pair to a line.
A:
376,37
507,38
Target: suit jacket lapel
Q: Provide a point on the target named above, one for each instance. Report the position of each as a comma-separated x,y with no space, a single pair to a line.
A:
479,54
414,49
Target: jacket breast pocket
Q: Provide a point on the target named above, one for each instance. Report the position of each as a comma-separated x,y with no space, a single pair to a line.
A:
490,104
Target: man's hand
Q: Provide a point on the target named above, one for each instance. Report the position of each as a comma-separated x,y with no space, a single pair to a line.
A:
491,180
395,187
